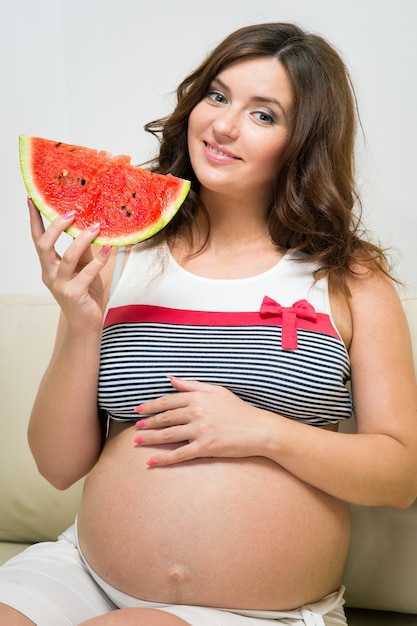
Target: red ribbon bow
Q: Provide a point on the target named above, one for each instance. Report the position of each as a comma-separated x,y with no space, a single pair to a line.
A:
289,314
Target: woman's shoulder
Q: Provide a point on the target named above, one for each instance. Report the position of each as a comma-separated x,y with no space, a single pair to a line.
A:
365,281
365,300
375,307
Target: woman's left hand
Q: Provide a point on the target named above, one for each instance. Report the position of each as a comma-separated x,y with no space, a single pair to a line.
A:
208,420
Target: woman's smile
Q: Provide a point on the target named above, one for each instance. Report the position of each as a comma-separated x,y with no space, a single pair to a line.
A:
219,154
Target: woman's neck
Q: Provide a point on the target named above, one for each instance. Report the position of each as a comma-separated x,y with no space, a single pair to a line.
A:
233,225
237,245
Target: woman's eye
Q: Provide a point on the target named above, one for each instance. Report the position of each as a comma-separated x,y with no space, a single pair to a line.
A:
264,117
216,96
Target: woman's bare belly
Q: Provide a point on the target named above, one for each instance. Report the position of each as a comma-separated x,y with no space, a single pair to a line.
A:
231,533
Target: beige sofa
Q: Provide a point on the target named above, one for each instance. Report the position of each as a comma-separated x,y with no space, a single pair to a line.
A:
381,572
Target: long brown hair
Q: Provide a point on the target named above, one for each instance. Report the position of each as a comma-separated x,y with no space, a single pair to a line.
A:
316,208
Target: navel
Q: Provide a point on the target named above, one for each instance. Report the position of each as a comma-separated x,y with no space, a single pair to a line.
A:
178,574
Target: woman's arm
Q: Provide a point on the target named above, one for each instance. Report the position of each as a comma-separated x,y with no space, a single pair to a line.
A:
376,466
64,431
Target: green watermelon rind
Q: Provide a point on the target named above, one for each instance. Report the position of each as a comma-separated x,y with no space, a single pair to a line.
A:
122,240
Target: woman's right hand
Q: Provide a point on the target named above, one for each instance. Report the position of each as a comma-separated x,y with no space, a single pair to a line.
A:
73,279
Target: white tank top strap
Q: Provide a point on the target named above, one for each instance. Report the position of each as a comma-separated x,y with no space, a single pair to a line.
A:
118,268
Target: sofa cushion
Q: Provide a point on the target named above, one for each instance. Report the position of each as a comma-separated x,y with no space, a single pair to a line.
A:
381,568
30,508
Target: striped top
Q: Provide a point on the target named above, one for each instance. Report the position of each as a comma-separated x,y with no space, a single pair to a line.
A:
270,338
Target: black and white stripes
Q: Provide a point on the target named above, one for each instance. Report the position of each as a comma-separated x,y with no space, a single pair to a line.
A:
141,346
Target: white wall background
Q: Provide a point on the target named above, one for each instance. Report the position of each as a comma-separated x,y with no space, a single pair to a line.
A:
94,72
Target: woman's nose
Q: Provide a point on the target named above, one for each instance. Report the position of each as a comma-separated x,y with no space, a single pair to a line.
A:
227,123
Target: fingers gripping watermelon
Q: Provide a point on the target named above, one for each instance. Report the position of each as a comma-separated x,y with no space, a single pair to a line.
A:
130,203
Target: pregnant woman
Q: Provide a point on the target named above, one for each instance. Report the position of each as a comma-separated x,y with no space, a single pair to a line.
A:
199,389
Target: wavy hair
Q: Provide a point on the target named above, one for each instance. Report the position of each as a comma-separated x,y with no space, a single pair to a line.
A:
316,208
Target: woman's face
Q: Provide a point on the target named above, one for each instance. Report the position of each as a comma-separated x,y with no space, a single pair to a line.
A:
238,132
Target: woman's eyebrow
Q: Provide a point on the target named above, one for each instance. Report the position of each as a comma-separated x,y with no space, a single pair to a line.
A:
219,82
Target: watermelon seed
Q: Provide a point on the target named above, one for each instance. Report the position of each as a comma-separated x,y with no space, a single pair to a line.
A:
58,144
134,194
83,181
64,173
127,213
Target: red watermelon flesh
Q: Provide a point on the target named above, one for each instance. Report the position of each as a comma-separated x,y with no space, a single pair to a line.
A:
129,202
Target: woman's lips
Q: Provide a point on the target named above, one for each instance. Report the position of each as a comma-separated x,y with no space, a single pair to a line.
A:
216,153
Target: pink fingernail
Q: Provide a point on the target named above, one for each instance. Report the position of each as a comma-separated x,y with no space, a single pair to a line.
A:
140,423
94,227
138,409
152,462
68,215
106,249
139,439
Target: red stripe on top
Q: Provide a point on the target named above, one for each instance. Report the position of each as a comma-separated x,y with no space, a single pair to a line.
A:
132,313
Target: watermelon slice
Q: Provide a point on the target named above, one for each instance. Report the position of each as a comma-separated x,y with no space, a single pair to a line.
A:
130,203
